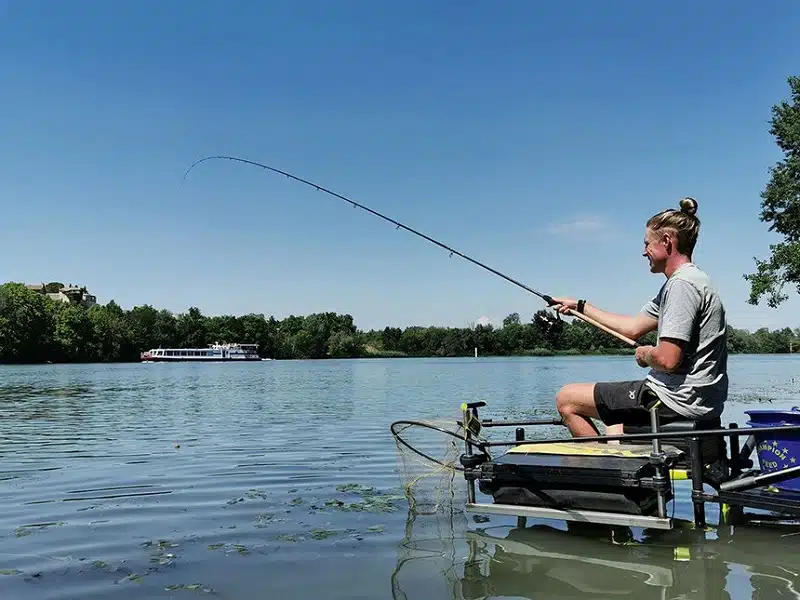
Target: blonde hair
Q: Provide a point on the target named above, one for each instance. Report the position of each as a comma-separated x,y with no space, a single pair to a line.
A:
683,222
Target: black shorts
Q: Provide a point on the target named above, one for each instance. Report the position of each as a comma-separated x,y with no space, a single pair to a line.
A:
629,403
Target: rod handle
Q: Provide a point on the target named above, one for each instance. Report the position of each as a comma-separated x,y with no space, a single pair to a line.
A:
591,321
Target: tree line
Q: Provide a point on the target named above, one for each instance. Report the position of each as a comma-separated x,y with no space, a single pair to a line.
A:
35,328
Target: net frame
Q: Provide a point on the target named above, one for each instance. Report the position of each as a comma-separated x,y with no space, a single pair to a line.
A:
428,468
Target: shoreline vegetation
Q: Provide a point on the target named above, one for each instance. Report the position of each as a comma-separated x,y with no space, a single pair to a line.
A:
35,328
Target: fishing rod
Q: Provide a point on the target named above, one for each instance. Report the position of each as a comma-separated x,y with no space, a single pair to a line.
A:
547,298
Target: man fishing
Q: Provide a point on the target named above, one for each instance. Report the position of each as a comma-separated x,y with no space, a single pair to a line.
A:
688,366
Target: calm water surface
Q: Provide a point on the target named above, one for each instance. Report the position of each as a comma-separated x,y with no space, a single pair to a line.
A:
280,480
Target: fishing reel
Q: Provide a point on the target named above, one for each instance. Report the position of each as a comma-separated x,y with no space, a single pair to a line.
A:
551,326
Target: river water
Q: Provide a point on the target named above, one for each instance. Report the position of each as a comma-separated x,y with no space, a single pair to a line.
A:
280,479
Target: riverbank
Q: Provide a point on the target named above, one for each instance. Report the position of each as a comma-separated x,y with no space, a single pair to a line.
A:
369,354
59,332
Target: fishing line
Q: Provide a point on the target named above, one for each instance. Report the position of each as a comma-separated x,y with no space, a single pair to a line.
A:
546,297
399,225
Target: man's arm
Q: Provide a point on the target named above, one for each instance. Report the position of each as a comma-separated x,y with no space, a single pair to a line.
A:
633,327
666,356
679,319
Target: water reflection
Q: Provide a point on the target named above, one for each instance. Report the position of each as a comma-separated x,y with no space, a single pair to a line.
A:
542,561
428,557
441,556
46,401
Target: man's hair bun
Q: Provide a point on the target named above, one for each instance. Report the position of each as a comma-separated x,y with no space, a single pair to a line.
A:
689,206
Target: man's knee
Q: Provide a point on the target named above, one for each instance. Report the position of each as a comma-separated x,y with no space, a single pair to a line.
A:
564,403
576,399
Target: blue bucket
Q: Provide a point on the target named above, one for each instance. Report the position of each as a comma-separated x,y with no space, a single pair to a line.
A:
776,452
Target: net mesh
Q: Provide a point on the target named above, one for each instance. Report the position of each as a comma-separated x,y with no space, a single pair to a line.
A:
429,557
432,482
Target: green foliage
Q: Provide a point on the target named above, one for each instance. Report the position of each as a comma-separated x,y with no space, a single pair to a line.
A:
27,324
35,328
781,206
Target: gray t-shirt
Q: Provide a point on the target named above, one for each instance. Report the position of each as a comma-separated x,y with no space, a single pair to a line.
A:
688,308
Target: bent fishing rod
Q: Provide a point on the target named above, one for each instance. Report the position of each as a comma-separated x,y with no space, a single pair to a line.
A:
547,298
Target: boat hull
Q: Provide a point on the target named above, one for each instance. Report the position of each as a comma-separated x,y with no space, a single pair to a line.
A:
212,353
167,359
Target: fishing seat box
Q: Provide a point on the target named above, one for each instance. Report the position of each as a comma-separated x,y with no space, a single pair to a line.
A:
577,475
713,448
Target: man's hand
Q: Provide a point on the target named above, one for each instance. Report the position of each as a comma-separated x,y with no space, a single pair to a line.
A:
643,355
563,305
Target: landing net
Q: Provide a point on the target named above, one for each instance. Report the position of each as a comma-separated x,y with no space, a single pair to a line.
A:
428,453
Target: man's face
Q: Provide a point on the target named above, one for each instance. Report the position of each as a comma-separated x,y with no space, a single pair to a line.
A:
655,250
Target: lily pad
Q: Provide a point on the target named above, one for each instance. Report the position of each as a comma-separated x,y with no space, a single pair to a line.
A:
263,520
191,587
374,504
238,548
356,488
26,530
321,534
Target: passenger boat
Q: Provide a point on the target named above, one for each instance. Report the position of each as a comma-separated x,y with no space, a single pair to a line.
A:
631,482
212,353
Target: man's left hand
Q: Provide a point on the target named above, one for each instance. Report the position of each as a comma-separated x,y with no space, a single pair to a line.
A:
643,355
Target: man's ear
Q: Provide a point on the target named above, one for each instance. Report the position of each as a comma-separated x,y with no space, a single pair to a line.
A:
669,241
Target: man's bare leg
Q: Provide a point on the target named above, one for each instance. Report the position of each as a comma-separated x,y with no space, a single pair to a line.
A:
575,404
614,430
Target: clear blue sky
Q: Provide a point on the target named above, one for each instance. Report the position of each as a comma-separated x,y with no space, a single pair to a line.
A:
535,136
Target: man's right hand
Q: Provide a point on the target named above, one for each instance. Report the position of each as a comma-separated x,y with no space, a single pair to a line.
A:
563,305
